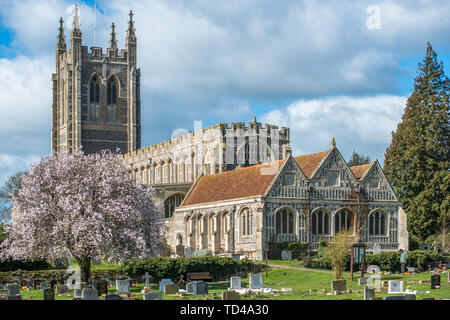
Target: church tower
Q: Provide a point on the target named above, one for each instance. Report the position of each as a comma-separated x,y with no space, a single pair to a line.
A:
96,96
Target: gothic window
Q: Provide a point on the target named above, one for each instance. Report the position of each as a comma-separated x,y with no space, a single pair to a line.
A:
94,99
377,224
284,221
211,224
225,223
246,222
171,203
320,223
343,220
111,99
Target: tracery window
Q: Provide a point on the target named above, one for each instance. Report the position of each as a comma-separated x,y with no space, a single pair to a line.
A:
284,221
343,220
320,223
246,222
377,224
171,203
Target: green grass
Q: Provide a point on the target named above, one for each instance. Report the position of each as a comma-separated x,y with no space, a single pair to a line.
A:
306,285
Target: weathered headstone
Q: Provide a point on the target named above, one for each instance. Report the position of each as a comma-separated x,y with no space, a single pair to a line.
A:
188,252
171,289
179,250
112,297
89,294
123,286
339,285
200,287
14,297
153,295
256,281
49,294
102,287
394,298
410,297
369,293
230,295
286,255
78,289
13,289
235,283
395,286
190,286
61,289
435,281
163,282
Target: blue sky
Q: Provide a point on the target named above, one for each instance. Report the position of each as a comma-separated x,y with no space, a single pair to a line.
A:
316,67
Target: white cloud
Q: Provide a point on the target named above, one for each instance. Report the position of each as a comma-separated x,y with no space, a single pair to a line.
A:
10,164
363,124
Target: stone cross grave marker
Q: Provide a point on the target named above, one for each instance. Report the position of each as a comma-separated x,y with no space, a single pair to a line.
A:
435,281
256,281
235,283
171,289
123,286
395,286
369,293
286,255
89,294
147,280
153,295
163,282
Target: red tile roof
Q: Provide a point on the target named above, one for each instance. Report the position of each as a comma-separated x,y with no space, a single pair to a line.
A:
234,184
310,162
359,171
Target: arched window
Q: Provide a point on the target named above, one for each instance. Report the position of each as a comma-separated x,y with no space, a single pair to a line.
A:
246,222
343,220
320,223
225,222
211,224
111,91
171,203
94,99
377,224
284,221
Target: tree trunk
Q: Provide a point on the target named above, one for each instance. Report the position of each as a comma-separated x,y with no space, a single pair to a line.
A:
85,267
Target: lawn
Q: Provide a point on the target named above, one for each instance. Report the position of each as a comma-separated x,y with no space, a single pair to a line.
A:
306,284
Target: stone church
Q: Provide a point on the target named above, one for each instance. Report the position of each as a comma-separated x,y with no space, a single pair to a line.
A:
228,188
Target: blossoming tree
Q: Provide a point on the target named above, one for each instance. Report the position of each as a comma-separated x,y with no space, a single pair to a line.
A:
87,205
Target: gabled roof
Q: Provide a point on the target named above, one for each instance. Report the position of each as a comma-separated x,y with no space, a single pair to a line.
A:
361,170
239,183
310,162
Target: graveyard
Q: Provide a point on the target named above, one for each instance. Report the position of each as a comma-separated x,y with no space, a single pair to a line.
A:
284,280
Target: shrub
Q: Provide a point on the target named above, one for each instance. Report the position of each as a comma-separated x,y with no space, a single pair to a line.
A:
390,260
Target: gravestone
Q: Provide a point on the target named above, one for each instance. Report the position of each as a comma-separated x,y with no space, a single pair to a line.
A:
180,251
200,288
163,282
376,248
123,286
394,298
14,297
49,294
147,280
362,280
235,283
256,281
435,281
202,253
13,289
230,295
153,295
338,285
61,289
101,286
112,297
78,289
171,289
395,286
286,255
89,294
369,294
410,297
188,252
190,286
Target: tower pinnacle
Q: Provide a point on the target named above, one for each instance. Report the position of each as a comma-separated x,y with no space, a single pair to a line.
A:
113,40
131,36
76,19
61,39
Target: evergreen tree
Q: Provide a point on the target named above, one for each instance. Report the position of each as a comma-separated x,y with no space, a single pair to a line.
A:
417,161
358,159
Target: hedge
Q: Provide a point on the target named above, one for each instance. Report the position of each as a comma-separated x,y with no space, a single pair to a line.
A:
13,265
176,268
387,260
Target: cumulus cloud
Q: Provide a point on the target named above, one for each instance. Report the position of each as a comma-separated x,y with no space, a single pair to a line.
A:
363,124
